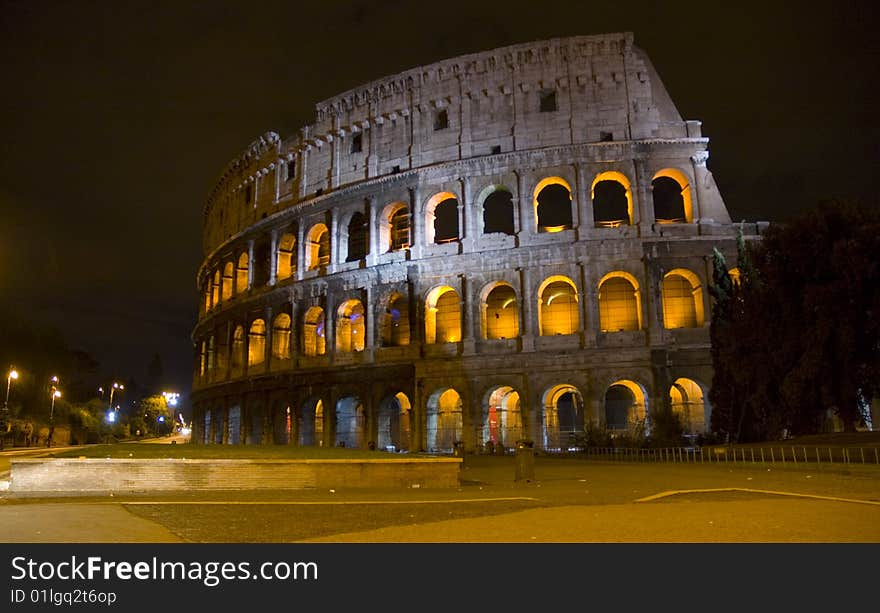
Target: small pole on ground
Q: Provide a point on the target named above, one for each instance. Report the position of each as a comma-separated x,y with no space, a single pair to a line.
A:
830,457
862,453
805,455
818,461
793,455
762,455
772,457
782,451
752,450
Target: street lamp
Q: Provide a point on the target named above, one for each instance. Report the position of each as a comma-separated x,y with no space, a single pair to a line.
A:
4,417
116,386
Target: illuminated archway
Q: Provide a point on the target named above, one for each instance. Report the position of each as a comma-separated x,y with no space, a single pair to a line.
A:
311,423
563,418
228,280
442,316
215,288
281,337
314,340
499,311
612,200
394,328
558,306
441,218
687,399
318,247
350,327
394,422
444,420
671,194
552,203
497,204
351,422
620,306
241,274
286,266
625,405
257,342
238,350
682,300
394,228
501,417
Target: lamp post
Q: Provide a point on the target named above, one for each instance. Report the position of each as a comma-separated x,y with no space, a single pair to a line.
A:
56,393
4,416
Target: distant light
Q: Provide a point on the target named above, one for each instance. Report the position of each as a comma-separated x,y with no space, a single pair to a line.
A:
111,416
13,374
161,419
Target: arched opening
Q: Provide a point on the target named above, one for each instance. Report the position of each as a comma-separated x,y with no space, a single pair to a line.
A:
394,329
286,266
553,205
215,288
671,193
217,434
688,403
394,423
238,350
502,418
682,300
281,337
558,307
314,340
625,405
563,419
444,420
311,423
394,228
280,417
619,303
351,422
260,263
228,280
350,328
235,425
500,312
255,418
498,212
358,238
241,274
612,200
203,358
442,316
319,247
441,218
211,354
257,342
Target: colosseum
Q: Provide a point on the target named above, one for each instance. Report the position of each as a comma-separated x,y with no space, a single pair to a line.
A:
501,246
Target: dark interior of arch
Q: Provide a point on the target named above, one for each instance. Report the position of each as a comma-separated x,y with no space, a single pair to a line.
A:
498,212
571,417
668,201
609,204
554,207
358,238
618,400
446,221
261,264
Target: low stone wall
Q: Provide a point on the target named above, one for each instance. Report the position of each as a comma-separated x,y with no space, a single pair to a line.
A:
101,475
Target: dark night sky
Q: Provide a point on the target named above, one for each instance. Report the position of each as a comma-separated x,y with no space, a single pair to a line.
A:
118,116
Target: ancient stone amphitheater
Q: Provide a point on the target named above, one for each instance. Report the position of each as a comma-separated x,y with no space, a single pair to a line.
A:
506,245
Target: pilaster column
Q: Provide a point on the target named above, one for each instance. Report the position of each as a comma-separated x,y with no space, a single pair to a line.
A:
644,194
374,231
584,202
334,242
468,343
330,326
250,264
529,317
370,325
300,249
466,214
268,357
417,222
526,208
273,258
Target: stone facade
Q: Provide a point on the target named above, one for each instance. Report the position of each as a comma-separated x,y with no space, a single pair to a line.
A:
504,245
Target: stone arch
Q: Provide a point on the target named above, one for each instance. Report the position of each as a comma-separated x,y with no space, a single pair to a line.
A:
620,303
357,239
280,421
235,425
228,280
238,346
688,401
441,212
553,205
350,327
501,423
682,296
281,337
313,334
558,312
444,420
671,194
611,194
563,417
311,423
625,405
394,422
351,422
241,273
285,268
499,311
318,255
257,342
394,328
496,202
215,288
442,316
394,228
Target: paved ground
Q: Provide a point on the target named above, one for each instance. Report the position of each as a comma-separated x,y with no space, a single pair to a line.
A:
570,501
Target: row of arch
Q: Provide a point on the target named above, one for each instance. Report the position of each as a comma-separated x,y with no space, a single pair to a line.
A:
561,419
558,313
611,194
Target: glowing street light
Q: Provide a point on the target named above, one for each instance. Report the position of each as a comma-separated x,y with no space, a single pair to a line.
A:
116,386
4,416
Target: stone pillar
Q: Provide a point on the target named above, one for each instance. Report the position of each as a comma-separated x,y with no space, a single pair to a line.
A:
300,250
268,357
251,263
698,188
372,214
224,436
268,435
590,307
584,202
370,324
644,197
303,170
334,242
330,325
526,208
273,258
468,342
417,222
529,316
466,214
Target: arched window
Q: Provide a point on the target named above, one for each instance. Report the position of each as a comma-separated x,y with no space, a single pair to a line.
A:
203,358
612,200
395,322
399,229
553,205
500,313
350,328
498,212
682,300
441,218
686,397
215,288
444,420
228,280
562,424
212,352
281,337
672,197
238,348
319,247
314,342
286,266
257,343
619,303
559,307
358,238
241,274
443,316
624,405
